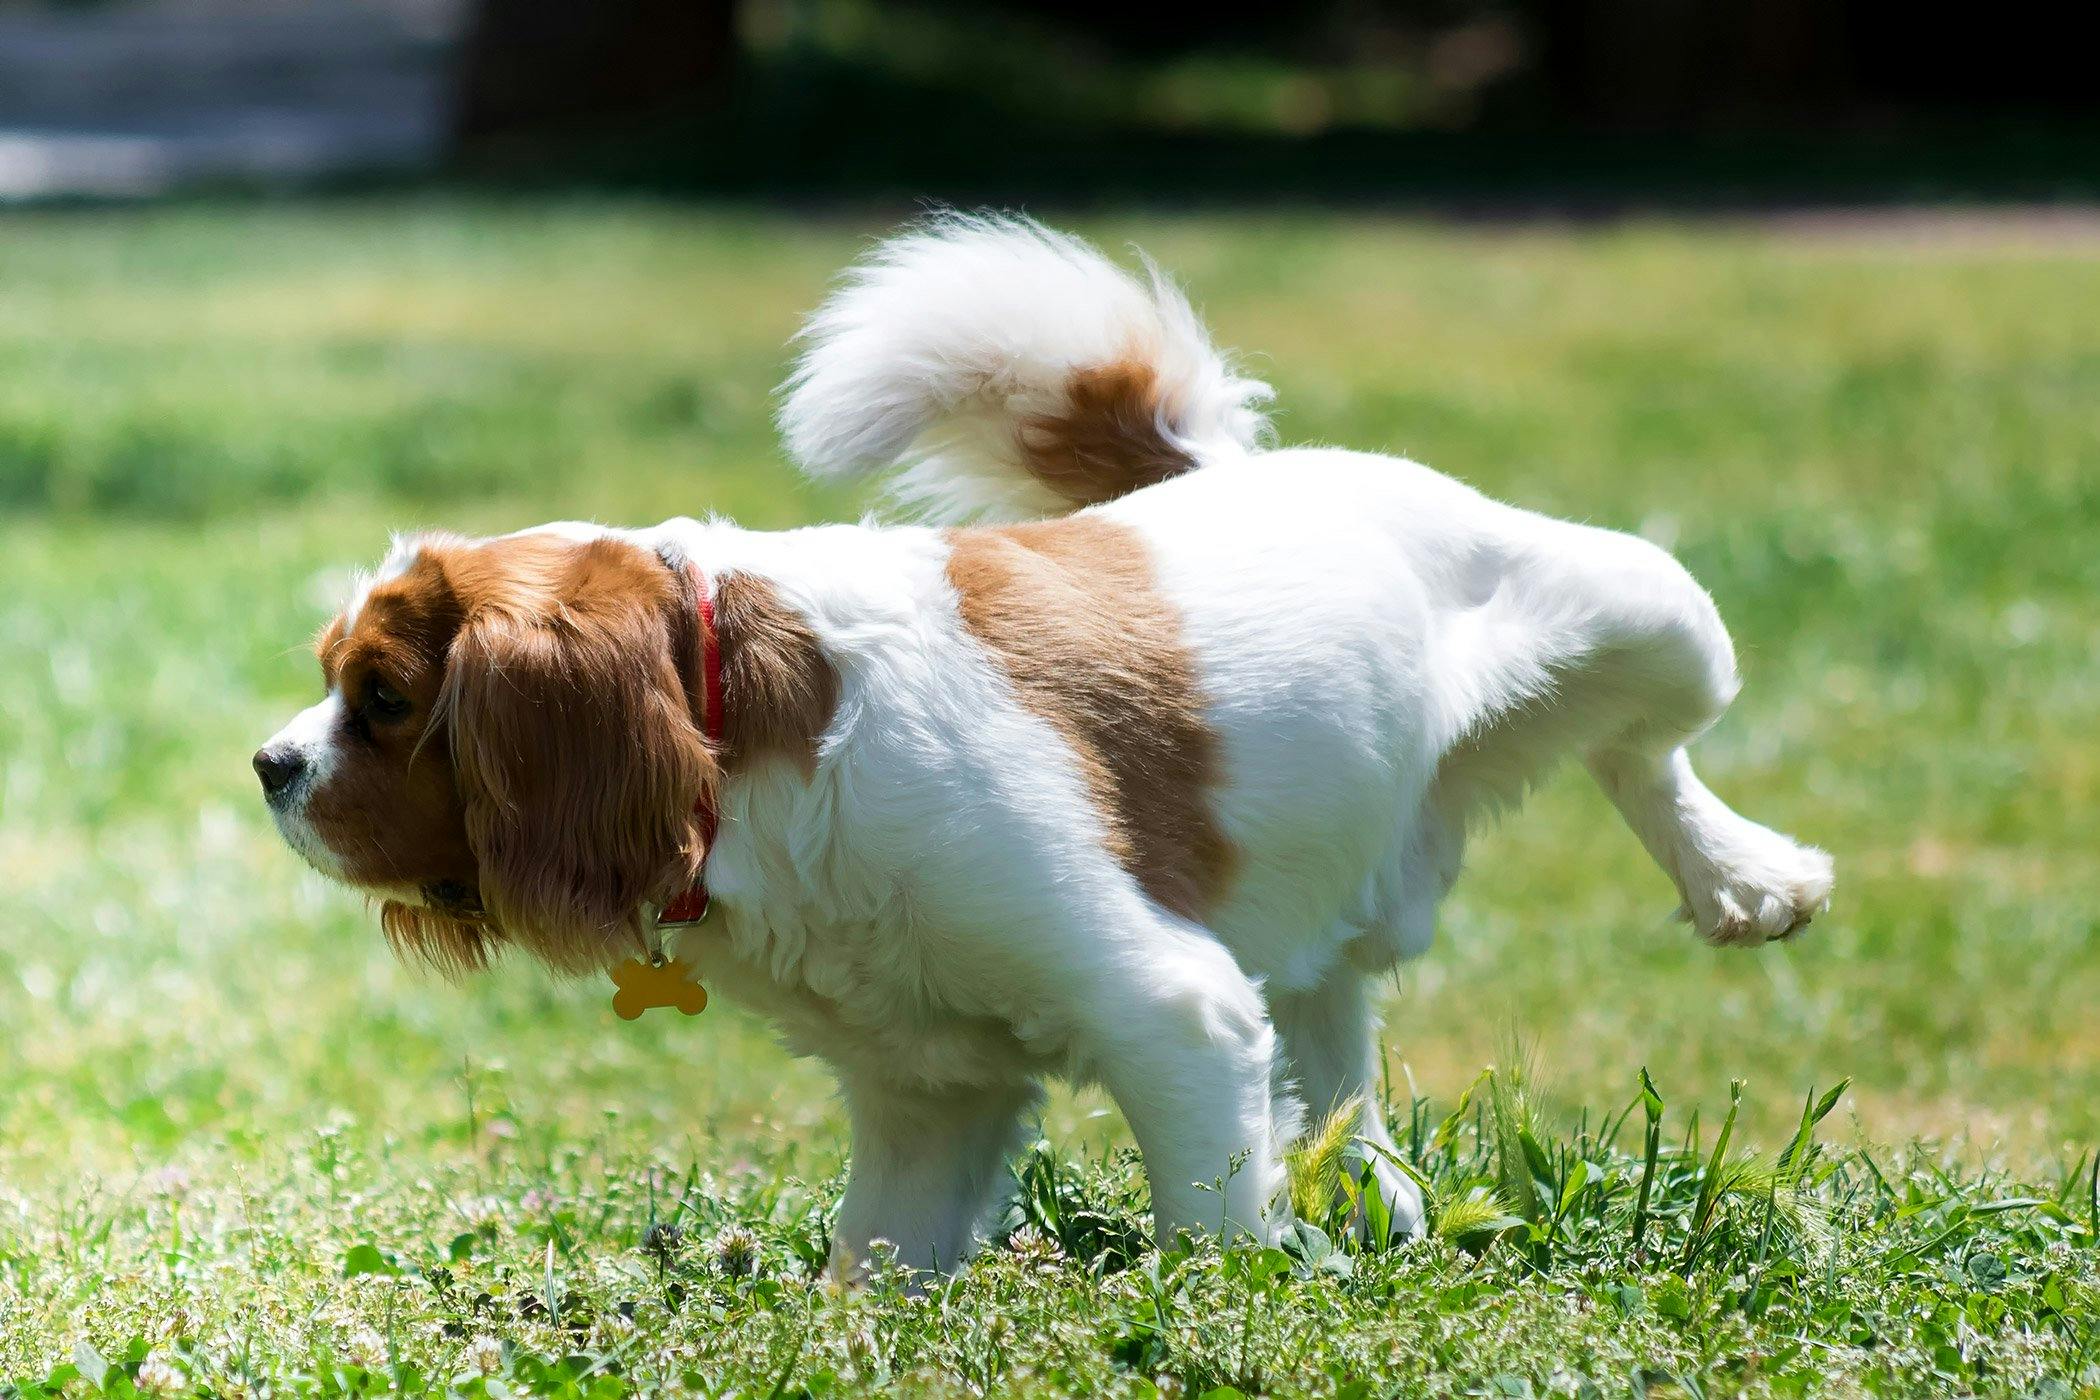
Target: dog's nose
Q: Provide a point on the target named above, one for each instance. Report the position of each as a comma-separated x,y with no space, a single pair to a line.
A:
278,769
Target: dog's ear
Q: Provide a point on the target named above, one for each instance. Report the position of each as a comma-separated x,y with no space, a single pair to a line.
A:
577,756
452,945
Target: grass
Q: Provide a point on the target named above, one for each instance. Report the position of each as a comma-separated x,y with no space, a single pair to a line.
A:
242,1151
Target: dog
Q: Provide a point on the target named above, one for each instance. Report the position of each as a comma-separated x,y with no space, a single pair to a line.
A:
1136,763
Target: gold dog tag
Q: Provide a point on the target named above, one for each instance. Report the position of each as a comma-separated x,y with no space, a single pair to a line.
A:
646,984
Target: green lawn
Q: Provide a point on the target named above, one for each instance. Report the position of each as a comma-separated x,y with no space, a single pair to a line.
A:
1882,457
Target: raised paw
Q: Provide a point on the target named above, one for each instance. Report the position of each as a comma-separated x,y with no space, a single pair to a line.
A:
1757,896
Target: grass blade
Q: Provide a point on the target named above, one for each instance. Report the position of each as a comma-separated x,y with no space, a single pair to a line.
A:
1710,1184
1794,1161
1652,1106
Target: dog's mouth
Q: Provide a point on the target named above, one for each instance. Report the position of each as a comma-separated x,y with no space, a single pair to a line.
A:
455,900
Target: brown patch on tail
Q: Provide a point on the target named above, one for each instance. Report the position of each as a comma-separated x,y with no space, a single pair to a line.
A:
1071,610
1109,440
778,690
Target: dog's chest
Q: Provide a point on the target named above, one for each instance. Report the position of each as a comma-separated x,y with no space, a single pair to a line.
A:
810,931
857,994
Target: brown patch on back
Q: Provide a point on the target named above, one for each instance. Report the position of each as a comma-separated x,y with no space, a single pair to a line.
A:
1071,610
1110,438
778,690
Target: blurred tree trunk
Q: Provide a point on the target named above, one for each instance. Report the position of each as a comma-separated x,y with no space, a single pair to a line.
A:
551,67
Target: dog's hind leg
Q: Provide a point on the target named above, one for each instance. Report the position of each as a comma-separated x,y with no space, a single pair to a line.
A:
1330,1045
1668,672
1741,883
1601,644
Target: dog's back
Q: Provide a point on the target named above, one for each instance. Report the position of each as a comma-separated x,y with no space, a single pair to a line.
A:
1382,653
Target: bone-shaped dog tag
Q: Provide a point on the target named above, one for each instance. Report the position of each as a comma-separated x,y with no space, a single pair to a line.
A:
643,985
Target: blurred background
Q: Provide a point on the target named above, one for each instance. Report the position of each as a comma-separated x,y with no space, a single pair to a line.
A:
1808,292
1576,104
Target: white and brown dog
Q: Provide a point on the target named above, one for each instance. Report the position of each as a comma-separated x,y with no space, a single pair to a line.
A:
1143,787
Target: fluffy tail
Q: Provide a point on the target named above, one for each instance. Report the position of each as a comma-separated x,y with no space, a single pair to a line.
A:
1010,372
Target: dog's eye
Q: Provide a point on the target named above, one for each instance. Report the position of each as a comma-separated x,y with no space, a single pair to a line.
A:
384,702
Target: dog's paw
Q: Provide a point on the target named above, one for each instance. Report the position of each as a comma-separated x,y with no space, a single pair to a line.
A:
1758,891
1410,1220
1406,1217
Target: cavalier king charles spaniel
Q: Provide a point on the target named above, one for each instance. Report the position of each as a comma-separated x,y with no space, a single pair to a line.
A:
1136,763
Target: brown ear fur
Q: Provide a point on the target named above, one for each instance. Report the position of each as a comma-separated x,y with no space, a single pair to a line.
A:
778,688
452,946
577,755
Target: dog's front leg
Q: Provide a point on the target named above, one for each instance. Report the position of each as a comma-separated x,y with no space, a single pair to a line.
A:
925,1171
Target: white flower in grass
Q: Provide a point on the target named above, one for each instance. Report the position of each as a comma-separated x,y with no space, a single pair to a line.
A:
160,1376
172,1182
364,1347
485,1355
1035,1249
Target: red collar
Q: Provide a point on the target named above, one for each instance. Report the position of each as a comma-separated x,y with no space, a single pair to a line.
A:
691,907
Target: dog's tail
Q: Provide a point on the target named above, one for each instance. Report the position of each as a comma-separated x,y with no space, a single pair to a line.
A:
1009,372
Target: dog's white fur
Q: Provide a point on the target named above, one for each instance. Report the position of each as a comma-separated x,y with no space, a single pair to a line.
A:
943,339
1386,655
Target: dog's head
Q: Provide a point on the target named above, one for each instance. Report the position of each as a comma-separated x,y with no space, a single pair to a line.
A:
507,749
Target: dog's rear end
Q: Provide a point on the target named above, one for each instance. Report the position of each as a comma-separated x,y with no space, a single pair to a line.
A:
1381,655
